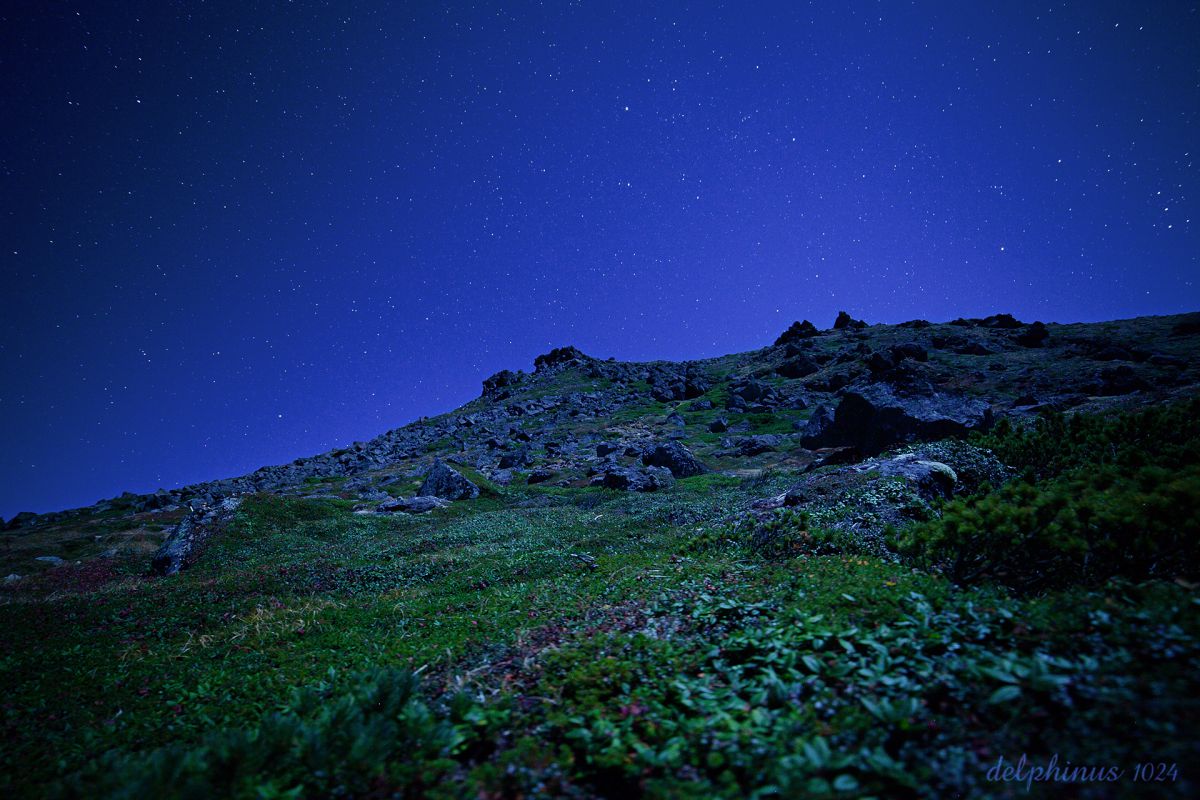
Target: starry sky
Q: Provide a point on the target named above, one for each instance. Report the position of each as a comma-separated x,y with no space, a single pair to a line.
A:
235,233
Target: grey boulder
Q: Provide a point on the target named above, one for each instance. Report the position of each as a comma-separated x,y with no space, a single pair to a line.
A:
186,540
447,483
674,457
632,479
878,416
412,505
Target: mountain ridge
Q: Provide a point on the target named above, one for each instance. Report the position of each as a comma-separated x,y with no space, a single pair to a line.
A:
976,337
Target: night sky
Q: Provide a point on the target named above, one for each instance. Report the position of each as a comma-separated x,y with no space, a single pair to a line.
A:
238,233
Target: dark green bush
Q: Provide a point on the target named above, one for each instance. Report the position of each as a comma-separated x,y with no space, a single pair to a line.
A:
376,736
1167,436
1085,527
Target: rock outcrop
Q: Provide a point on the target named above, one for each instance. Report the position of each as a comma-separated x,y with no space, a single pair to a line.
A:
447,483
632,479
184,543
675,457
878,416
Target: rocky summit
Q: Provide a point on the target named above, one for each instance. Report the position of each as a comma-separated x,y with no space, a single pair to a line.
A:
866,560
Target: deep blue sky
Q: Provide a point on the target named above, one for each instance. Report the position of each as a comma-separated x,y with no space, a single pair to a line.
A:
237,233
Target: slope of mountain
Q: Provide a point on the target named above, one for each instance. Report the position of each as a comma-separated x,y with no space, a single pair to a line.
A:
864,560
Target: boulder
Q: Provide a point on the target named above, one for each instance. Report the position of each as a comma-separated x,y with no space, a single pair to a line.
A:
844,322
25,519
675,457
800,366
816,430
753,445
412,505
916,352
517,458
878,416
559,356
1001,322
751,391
930,478
631,479
539,476
447,483
796,332
187,539
719,425
496,387
1033,336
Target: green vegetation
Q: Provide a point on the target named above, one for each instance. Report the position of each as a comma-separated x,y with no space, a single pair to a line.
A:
1101,497
554,642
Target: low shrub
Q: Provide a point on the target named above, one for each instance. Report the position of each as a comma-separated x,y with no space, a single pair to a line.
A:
376,737
1084,527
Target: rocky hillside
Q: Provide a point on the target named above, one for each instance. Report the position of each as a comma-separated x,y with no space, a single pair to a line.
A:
813,397
870,560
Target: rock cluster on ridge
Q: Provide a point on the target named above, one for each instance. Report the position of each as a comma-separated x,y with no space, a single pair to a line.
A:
814,397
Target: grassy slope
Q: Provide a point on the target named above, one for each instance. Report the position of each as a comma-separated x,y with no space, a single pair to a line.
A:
680,665
662,670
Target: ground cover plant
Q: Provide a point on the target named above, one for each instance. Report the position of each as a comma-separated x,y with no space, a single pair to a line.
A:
805,621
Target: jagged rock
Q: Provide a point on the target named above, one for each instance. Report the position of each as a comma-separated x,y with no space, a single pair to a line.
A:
816,430
539,476
447,483
670,386
916,352
502,476
1033,336
878,416
630,479
675,457
518,458
187,539
412,505
800,366
24,519
1001,321
879,362
844,321
557,357
796,332
496,387
754,445
831,381
752,391
973,348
